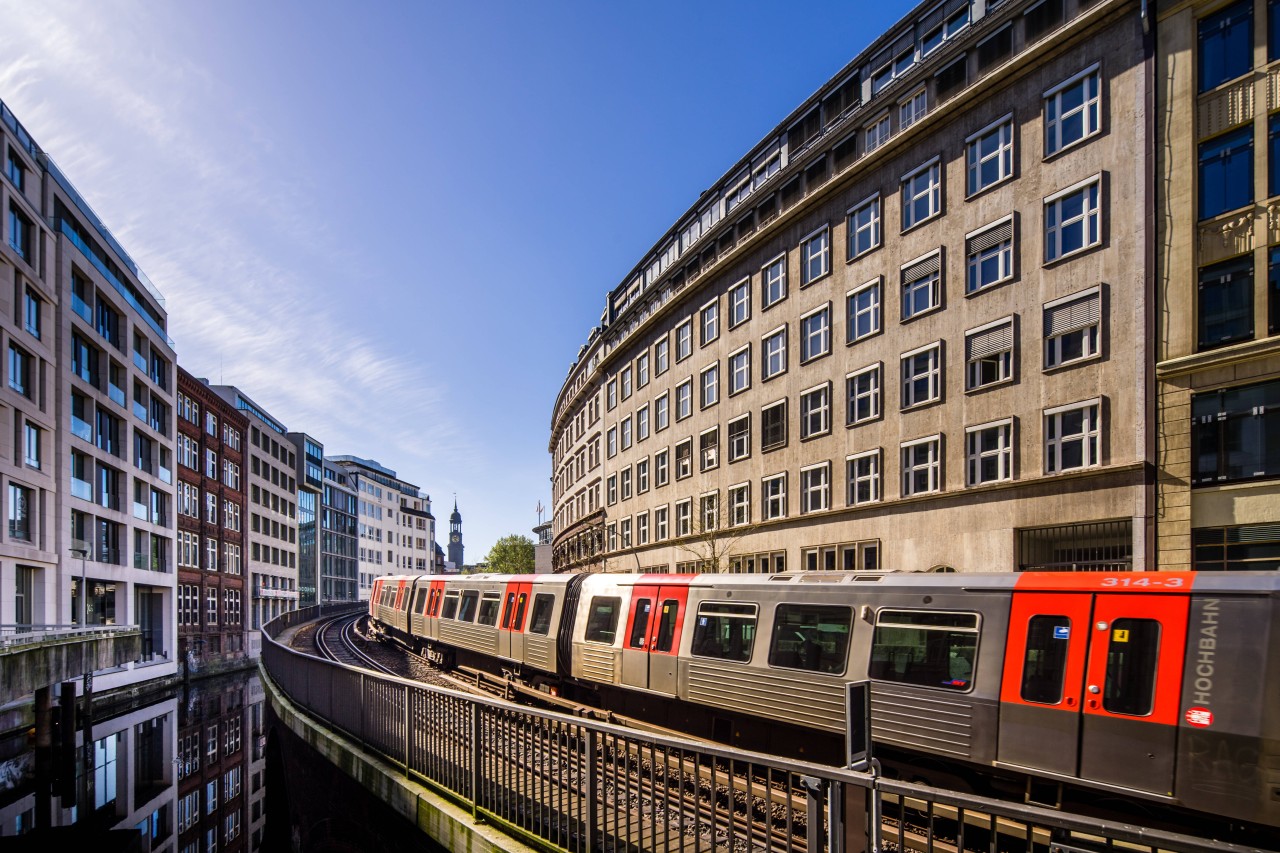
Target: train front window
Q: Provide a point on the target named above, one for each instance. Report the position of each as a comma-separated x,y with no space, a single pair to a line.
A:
725,631
639,622
925,647
1044,669
467,607
667,625
602,621
488,613
1133,651
811,637
450,606
540,621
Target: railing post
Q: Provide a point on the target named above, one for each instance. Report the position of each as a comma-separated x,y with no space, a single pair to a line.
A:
835,816
590,814
475,761
814,836
408,731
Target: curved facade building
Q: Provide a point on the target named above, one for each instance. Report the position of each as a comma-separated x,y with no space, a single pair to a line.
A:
910,329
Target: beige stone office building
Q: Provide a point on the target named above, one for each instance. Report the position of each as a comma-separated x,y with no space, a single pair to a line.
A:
907,330
395,526
1218,265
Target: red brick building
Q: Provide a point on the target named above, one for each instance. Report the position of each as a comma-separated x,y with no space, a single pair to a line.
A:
210,508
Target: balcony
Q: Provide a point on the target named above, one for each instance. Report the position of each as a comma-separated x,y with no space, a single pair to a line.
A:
140,411
121,288
151,562
116,394
82,308
81,429
82,489
165,475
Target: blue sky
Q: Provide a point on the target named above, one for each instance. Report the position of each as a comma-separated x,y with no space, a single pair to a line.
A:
393,224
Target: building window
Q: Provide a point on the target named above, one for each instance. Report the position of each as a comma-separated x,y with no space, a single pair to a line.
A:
31,305
661,356
15,170
774,353
1235,434
1224,307
1072,220
625,382
922,376
773,426
684,512
624,483
773,281
740,370
863,395
922,466
739,504
877,133
989,453
642,423
642,370
31,444
815,334
912,110
642,528
1072,111
922,286
988,354
1071,328
864,227
710,385
659,524
684,340
660,468
921,195
661,406
740,303
1072,437
1226,172
710,325
1273,288
864,311
684,459
20,234
989,155
1226,45
709,449
1244,547
773,496
20,371
995,47
626,432
709,512
815,256
815,488
611,442
990,256
642,476
739,438
611,490
611,394
815,411
20,513
684,399
863,471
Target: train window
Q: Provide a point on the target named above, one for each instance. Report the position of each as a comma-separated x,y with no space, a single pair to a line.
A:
810,636
488,613
1044,669
925,647
725,631
420,603
517,624
667,625
639,622
602,621
540,621
467,606
450,606
433,609
1132,655
509,611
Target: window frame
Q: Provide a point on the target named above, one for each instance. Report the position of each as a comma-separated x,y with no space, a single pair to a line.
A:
1053,359
972,371
822,334
933,375
822,256
854,229
765,354
975,455
773,505
875,395
822,412
1003,154
731,437
1003,252
820,489
740,303
932,192
932,283
1052,446
853,477
875,285
739,362
768,281
1052,234
1052,135
932,466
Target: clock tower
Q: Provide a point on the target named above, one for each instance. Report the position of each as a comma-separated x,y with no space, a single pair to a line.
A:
455,535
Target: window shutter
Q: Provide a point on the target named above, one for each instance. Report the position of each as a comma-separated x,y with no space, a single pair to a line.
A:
1077,314
927,267
990,342
991,237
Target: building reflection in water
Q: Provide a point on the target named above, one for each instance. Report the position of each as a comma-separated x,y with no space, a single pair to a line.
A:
185,771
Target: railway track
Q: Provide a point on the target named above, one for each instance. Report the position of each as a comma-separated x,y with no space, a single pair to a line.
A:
335,641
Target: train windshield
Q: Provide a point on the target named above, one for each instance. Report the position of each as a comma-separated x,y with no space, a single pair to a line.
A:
925,647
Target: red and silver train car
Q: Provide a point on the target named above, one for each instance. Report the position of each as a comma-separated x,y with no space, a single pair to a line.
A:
1148,687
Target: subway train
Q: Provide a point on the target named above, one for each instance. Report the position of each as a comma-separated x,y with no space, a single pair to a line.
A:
1156,691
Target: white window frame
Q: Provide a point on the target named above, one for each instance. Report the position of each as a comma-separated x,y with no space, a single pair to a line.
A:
1090,333
874,309
854,477
660,529
932,465
709,322
740,504
611,442
874,394
684,340
877,132
739,362
709,386
1089,218
734,455
687,459
642,475
709,457
661,468
661,355
642,370
1090,109
931,191
972,367
975,455
773,496
740,303
611,395
930,283
662,411
624,484
642,528
815,256
976,158
932,374
684,399
815,488
684,517
856,225
1001,252
913,108
1090,435
815,342
773,277
822,411
624,383
780,354
624,429
642,423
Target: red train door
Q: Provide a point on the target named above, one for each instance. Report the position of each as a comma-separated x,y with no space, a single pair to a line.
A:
1092,679
514,606
652,642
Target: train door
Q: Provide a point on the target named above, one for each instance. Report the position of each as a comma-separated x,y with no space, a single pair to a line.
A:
649,652
1091,686
514,606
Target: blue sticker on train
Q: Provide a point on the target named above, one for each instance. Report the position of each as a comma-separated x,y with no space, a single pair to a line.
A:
1061,632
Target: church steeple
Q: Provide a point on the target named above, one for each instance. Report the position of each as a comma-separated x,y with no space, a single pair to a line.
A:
455,535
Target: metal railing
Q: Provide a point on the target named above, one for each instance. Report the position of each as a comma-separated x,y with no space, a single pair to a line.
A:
26,635
563,783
